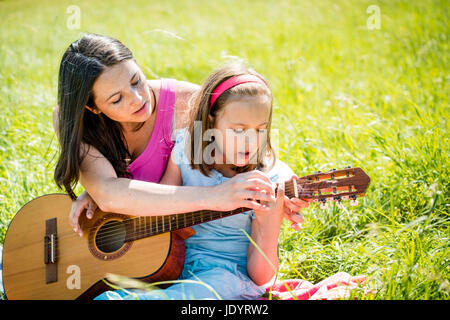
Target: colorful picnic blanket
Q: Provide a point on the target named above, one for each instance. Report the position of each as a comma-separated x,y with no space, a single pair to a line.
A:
337,286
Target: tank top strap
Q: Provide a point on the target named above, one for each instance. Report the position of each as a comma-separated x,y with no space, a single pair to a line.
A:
167,99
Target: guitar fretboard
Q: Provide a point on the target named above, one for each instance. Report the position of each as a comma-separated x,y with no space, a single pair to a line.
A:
142,227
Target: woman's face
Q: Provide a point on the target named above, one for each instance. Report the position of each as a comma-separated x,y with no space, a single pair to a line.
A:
242,126
121,93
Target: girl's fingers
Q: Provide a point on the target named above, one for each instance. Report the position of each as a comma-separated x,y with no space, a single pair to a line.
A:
295,219
300,203
293,216
291,205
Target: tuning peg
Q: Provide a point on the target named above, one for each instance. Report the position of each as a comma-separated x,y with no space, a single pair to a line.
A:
353,201
324,205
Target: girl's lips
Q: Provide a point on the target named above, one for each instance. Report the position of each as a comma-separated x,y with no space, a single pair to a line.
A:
244,154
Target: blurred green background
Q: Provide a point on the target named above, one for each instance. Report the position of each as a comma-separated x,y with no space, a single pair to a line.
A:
352,86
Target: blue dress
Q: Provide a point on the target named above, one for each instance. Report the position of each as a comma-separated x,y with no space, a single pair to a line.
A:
216,255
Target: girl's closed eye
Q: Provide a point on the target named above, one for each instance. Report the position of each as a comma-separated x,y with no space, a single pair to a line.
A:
240,131
263,130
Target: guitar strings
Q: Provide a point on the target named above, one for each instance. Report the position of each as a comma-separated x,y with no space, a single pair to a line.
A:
145,226
288,189
195,215
140,233
144,230
133,234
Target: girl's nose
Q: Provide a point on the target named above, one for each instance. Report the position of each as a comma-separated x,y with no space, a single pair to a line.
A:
252,137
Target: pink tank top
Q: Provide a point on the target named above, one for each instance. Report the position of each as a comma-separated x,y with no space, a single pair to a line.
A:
151,164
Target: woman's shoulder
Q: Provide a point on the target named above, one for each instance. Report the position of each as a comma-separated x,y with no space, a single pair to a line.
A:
185,92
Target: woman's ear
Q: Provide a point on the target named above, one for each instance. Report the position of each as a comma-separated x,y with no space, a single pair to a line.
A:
93,110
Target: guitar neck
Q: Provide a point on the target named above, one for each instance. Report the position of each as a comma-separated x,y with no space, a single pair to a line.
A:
142,227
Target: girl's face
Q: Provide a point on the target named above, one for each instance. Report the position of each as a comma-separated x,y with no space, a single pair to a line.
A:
121,93
241,127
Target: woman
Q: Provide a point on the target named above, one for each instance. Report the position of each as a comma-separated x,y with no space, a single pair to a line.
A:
116,130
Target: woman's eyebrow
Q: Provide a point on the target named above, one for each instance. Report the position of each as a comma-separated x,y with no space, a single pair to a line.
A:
134,75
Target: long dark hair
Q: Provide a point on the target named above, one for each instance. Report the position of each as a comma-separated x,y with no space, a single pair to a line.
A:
81,65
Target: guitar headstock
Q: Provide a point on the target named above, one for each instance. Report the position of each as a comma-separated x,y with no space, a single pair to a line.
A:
334,185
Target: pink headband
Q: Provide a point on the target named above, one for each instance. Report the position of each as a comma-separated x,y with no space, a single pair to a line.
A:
232,82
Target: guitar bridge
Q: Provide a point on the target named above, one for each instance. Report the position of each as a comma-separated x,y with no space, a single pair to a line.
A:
50,248
50,252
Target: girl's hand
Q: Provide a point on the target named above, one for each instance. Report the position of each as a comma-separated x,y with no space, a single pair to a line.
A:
83,202
292,209
273,217
243,191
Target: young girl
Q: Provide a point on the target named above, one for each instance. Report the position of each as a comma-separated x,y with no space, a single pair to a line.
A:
233,110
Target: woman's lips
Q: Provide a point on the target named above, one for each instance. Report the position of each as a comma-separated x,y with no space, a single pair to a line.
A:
142,109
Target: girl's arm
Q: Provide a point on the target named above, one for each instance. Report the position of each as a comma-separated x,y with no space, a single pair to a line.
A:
265,232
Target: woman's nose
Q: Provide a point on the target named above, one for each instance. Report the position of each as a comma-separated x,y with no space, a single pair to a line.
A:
135,96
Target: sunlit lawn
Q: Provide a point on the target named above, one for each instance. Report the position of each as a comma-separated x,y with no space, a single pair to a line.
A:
344,95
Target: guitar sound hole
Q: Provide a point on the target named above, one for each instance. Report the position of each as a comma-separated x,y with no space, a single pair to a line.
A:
111,236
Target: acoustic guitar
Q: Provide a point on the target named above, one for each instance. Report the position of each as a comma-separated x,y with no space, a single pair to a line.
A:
43,258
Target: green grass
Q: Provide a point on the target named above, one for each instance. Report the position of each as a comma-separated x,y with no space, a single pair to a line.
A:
344,95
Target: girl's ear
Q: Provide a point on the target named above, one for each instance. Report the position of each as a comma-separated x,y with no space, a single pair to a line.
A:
96,111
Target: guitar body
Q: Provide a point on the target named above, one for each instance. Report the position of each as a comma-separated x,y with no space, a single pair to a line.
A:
37,265
43,258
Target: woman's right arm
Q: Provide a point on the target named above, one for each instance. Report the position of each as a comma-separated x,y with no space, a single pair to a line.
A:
141,198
